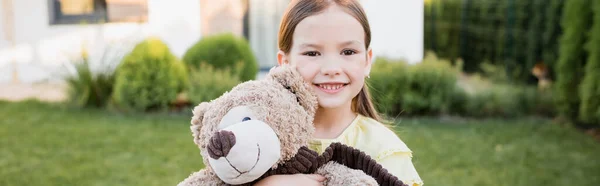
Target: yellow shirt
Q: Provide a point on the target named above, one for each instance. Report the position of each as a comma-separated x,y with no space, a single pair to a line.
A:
379,142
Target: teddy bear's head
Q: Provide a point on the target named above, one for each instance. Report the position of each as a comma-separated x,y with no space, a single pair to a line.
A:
255,126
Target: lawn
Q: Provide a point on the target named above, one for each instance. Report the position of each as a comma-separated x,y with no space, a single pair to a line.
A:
44,144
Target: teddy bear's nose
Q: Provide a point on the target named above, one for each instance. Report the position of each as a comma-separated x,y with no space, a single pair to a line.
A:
220,144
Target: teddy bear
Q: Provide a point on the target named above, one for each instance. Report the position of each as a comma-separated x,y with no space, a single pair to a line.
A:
262,127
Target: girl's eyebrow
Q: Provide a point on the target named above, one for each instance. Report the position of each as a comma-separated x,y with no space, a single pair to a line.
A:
345,43
310,45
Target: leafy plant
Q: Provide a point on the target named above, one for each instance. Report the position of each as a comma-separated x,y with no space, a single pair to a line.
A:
224,51
87,88
208,83
148,78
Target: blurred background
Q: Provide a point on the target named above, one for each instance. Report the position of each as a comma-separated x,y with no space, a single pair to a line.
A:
485,92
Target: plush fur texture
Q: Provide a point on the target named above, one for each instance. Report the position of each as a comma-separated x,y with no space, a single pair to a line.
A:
338,174
287,105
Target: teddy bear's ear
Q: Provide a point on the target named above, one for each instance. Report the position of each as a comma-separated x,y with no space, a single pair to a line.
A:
197,120
289,78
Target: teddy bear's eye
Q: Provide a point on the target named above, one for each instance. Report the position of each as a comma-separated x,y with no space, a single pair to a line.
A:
246,119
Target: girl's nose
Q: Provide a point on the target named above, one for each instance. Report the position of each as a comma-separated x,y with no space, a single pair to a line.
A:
332,67
331,70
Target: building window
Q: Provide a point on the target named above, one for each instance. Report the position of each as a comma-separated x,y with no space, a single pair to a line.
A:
97,11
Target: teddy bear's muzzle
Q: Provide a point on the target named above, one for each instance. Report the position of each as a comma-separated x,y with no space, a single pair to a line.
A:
243,151
221,143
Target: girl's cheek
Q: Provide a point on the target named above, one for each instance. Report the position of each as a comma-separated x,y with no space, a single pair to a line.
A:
308,71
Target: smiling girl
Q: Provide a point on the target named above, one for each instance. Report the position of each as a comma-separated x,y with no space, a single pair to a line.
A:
328,42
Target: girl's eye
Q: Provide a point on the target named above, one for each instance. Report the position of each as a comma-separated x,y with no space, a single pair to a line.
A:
246,119
348,52
311,53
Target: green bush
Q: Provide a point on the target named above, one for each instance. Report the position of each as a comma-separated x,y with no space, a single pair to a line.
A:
87,88
497,101
148,78
431,88
426,88
589,111
576,19
388,83
224,51
432,84
208,83
181,71
458,102
502,100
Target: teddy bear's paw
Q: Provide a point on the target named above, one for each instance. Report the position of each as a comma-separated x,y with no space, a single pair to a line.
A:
202,177
338,174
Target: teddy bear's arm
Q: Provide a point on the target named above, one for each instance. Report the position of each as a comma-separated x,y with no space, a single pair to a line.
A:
356,159
202,177
337,175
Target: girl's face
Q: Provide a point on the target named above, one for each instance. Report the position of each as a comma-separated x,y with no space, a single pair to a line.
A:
329,51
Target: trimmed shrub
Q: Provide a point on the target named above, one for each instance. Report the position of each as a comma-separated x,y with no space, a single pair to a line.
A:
458,102
208,83
432,83
224,51
388,83
181,71
572,56
426,88
589,111
148,78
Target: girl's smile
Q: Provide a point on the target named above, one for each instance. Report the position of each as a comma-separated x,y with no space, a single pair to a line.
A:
331,87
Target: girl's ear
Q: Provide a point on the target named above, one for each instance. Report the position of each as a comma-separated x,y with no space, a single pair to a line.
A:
369,62
282,58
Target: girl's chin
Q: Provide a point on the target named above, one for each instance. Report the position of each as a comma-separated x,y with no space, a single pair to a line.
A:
332,103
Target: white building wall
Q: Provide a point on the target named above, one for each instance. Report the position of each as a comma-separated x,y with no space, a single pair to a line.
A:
41,49
396,27
265,17
3,40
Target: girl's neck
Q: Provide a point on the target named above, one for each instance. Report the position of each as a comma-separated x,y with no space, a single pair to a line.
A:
330,122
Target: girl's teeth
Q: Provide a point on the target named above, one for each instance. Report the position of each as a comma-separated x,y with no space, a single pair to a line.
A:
331,87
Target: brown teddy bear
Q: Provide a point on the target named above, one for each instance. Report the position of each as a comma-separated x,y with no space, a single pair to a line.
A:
262,127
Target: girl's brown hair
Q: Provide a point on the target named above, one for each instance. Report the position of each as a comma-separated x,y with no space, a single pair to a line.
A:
300,9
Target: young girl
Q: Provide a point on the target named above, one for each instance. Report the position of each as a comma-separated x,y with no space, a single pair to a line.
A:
327,41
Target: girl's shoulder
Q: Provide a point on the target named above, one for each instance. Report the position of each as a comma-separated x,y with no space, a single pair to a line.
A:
378,139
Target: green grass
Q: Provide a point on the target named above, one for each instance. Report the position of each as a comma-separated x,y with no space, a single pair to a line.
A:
45,144
49,145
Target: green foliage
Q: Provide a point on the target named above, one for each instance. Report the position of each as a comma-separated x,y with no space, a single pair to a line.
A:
576,21
510,33
443,17
389,81
432,83
503,100
224,51
148,78
208,83
432,88
425,88
535,39
494,72
458,102
87,88
181,71
589,111
551,32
